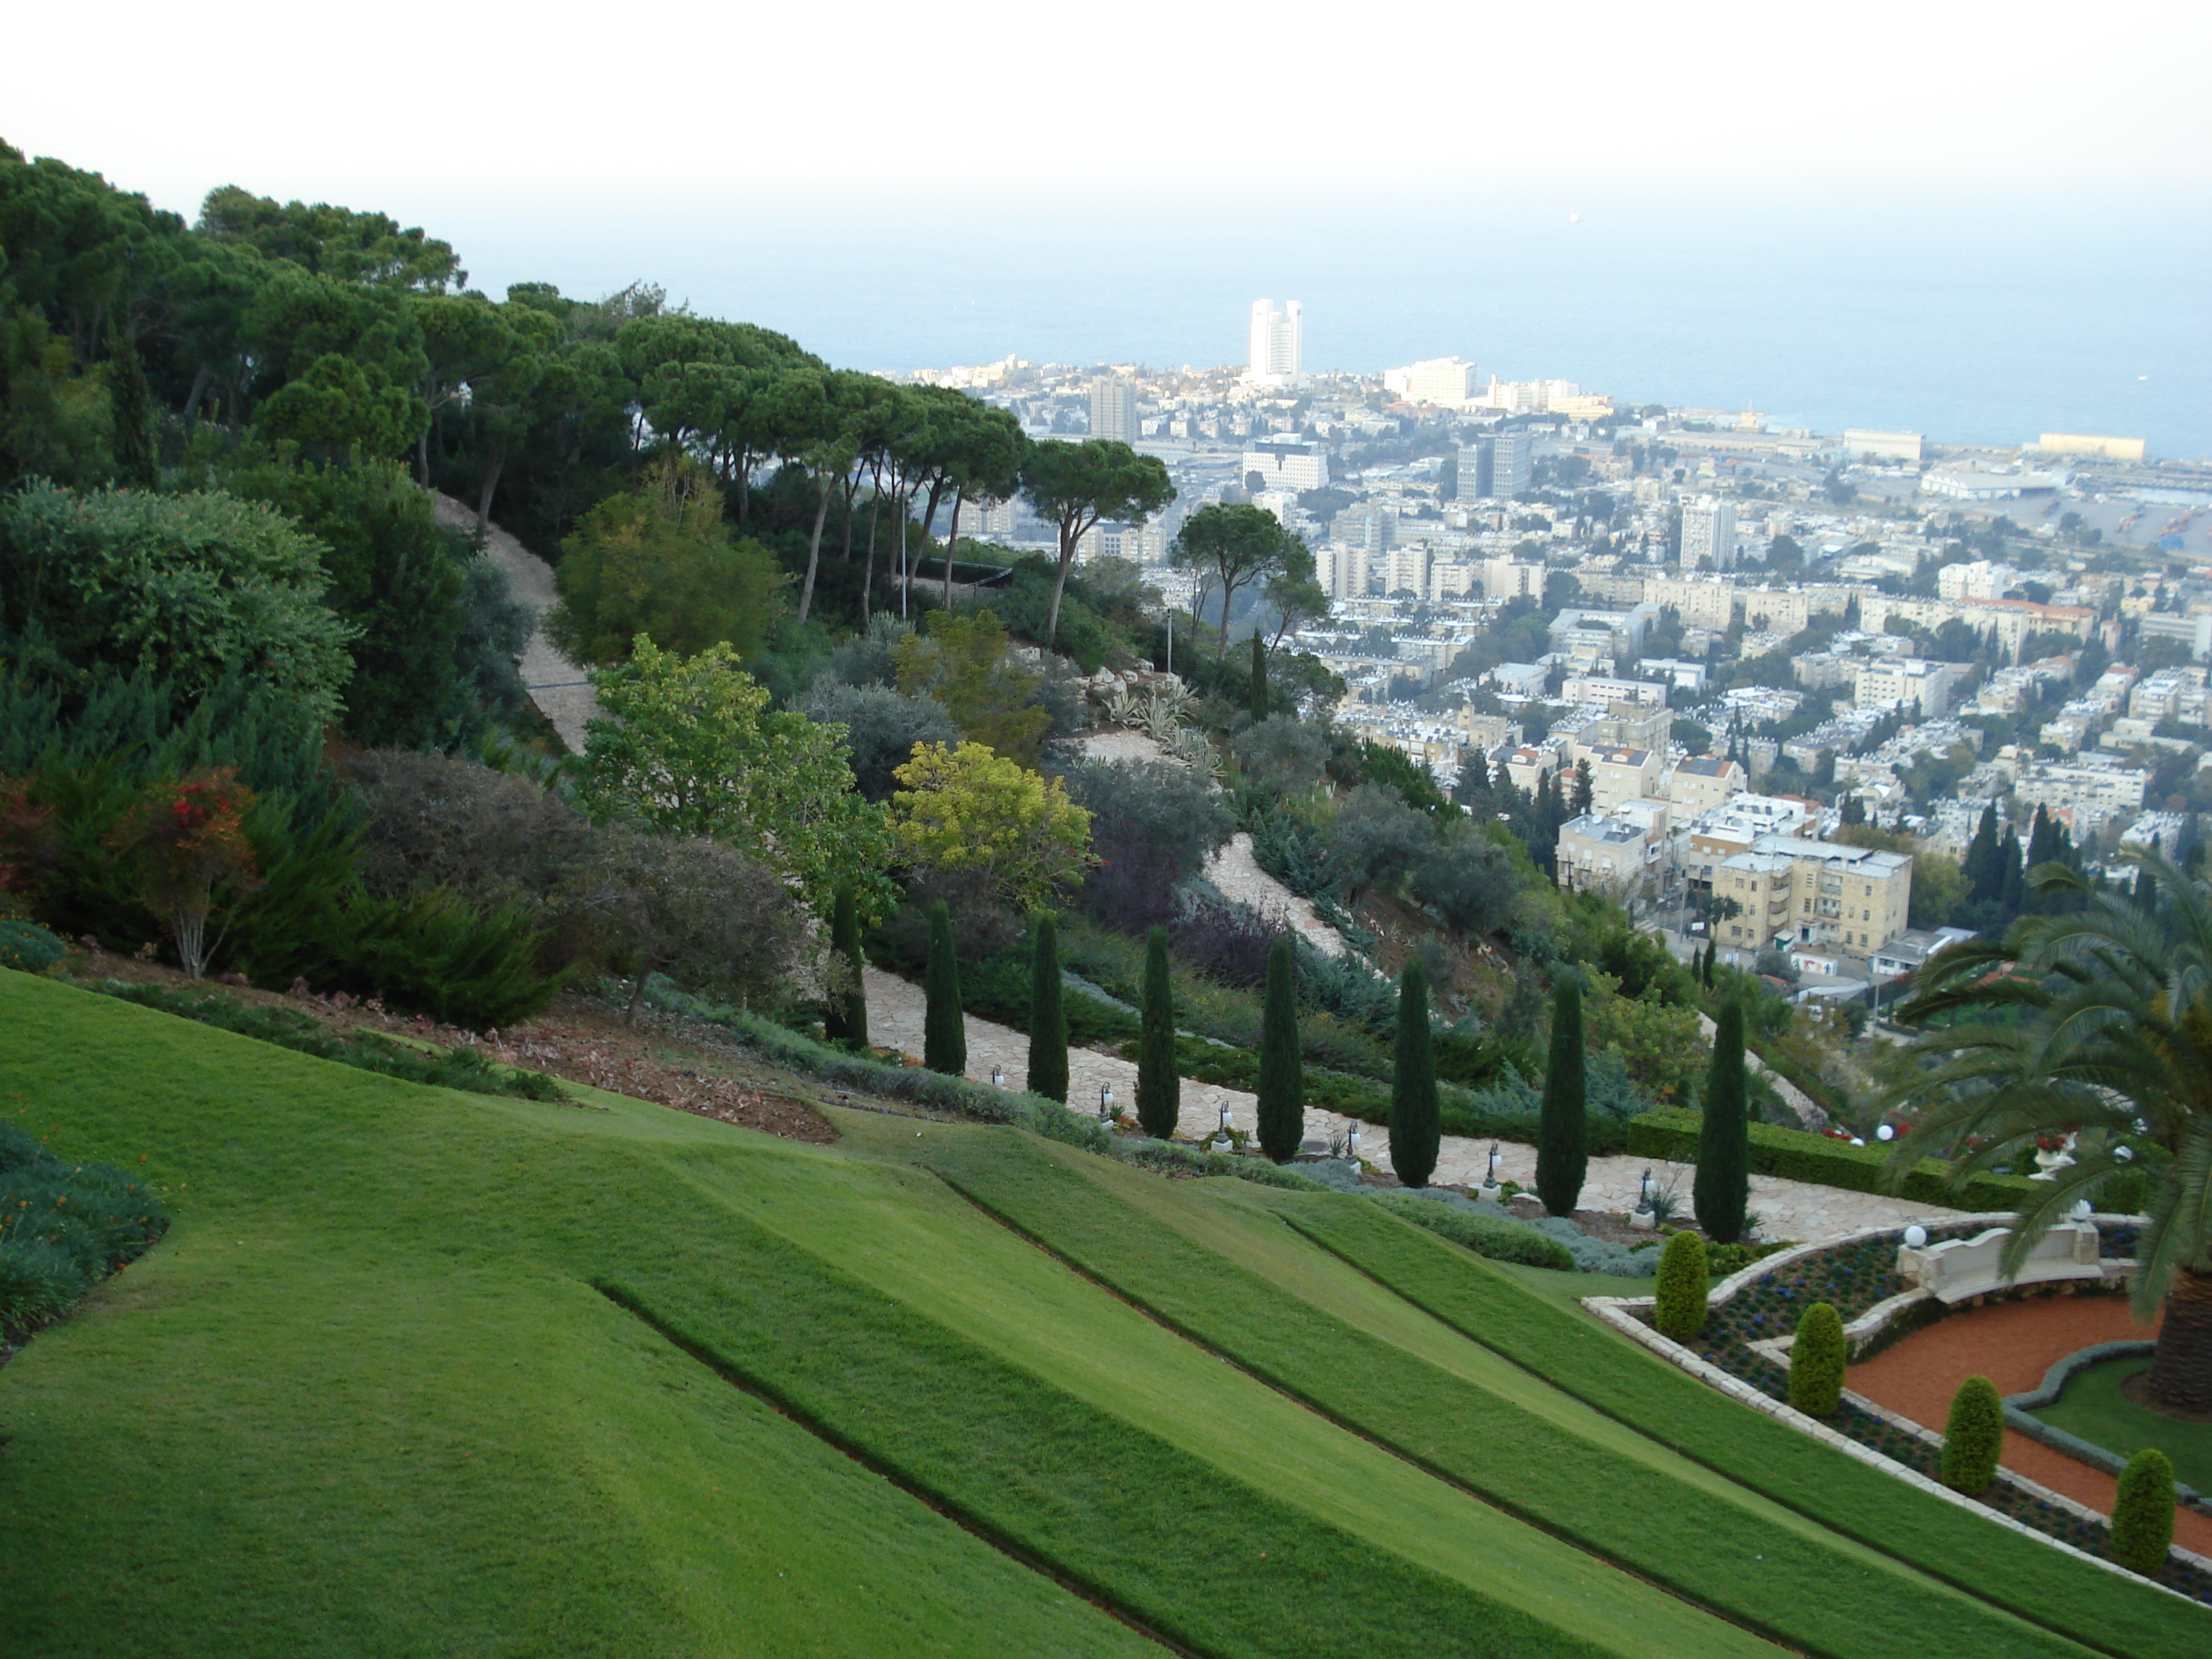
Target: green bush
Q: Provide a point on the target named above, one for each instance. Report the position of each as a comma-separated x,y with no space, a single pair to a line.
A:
64,1227
2143,1512
1500,1240
1973,1436
28,948
1168,1155
1799,1155
1817,1359
1680,1306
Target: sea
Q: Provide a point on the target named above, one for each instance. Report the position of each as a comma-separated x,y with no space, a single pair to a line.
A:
1982,316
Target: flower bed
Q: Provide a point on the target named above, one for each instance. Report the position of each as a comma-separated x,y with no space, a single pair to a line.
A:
1856,1276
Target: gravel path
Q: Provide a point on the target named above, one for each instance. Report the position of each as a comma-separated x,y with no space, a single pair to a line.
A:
556,685
1789,1209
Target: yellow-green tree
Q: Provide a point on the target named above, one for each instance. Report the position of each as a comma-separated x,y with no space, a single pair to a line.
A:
690,747
969,809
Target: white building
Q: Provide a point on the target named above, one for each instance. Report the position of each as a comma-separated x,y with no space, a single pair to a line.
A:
1445,382
1979,580
1709,534
1883,446
1277,344
1113,410
1293,466
1342,570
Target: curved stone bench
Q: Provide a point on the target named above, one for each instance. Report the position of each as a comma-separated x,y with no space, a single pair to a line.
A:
1959,1268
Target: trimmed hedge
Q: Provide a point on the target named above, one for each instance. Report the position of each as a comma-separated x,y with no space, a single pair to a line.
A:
1973,1436
1817,1359
1679,1308
1500,1240
1799,1155
2143,1512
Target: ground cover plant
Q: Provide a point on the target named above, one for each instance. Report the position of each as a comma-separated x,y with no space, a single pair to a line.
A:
1484,1302
2092,1408
1484,1427
532,1338
64,1226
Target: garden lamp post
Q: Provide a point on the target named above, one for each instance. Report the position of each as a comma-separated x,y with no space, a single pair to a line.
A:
1352,1143
1491,1179
1105,1102
1221,1141
1886,1132
1644,1190
998,1077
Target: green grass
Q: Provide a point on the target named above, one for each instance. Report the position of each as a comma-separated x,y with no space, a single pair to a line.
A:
2094,1409
372,1395
1228,1273
1545,1334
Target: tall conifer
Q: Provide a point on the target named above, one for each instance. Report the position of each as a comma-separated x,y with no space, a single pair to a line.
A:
1282,1073
1259,680
846,1019
1414,1126
1159,1091
1047,1023
944,1029
1722,1193
1563,1131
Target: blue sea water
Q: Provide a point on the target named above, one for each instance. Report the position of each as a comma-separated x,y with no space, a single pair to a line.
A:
1986,321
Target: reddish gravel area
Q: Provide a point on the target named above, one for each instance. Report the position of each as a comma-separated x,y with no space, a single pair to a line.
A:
2013,1344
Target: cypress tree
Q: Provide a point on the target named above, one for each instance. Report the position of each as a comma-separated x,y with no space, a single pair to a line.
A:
130,412
1973,1436
1817,1361
1679,1305
1048,1026
1563,1131
1282,1073
2012,876
1984,875
1415,1125
1259,681
2143,1512
943,1030
1722,1192
1159,1091
846,1019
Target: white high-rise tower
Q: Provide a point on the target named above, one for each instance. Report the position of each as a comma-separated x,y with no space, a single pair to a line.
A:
1275,343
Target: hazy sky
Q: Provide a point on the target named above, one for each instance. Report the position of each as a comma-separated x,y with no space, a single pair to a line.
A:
426,111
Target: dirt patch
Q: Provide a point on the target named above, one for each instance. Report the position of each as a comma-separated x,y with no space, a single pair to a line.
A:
686,1064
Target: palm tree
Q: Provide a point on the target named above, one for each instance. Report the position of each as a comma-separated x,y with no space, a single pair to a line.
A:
2098,1022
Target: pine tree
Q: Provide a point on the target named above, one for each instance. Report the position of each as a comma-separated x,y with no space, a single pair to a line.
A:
1259,680
943,1029
1282,1105
1563,1131
1414,1124
1159,1091
1722,1192
1047,1026
846,1019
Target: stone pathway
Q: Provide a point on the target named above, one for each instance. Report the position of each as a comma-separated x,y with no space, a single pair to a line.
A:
561,690
1789,1209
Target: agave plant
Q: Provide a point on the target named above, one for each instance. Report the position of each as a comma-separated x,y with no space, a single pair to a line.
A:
2097,1021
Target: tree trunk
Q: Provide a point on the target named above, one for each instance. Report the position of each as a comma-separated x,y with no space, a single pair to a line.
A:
1059,583
868,573
2180,1372
484,496
952,541
814,550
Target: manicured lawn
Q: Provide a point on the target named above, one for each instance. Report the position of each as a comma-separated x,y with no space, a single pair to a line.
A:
1206,1266
1491,1304
401,1379
2092,1408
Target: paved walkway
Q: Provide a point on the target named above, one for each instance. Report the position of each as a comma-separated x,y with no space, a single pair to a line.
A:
1789,1209
559,688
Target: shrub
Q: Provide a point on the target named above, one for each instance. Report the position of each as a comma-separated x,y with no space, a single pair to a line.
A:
1679,1308
64,1227
1973,1436
1153,824
944,1027
1500,1240
1197,1160
1415,1124
28,948
1282,755
1800,1155
1225,941
882,728
1281,1092
1468,881
443,821
1817,1359
2143,1512
1377,839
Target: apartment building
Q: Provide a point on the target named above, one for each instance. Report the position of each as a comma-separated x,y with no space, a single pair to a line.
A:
1695,788
1608,854
1618,774
1901,682
1813,892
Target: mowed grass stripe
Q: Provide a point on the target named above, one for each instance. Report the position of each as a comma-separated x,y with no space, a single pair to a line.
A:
1802,1589
1214,1564
925,1246
1575,1354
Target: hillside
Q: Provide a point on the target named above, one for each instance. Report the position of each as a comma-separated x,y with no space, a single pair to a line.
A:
419,1371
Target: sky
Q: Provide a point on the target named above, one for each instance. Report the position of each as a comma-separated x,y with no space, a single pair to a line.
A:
845,171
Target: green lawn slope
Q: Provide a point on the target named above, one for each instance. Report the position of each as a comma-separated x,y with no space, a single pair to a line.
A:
417,1371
